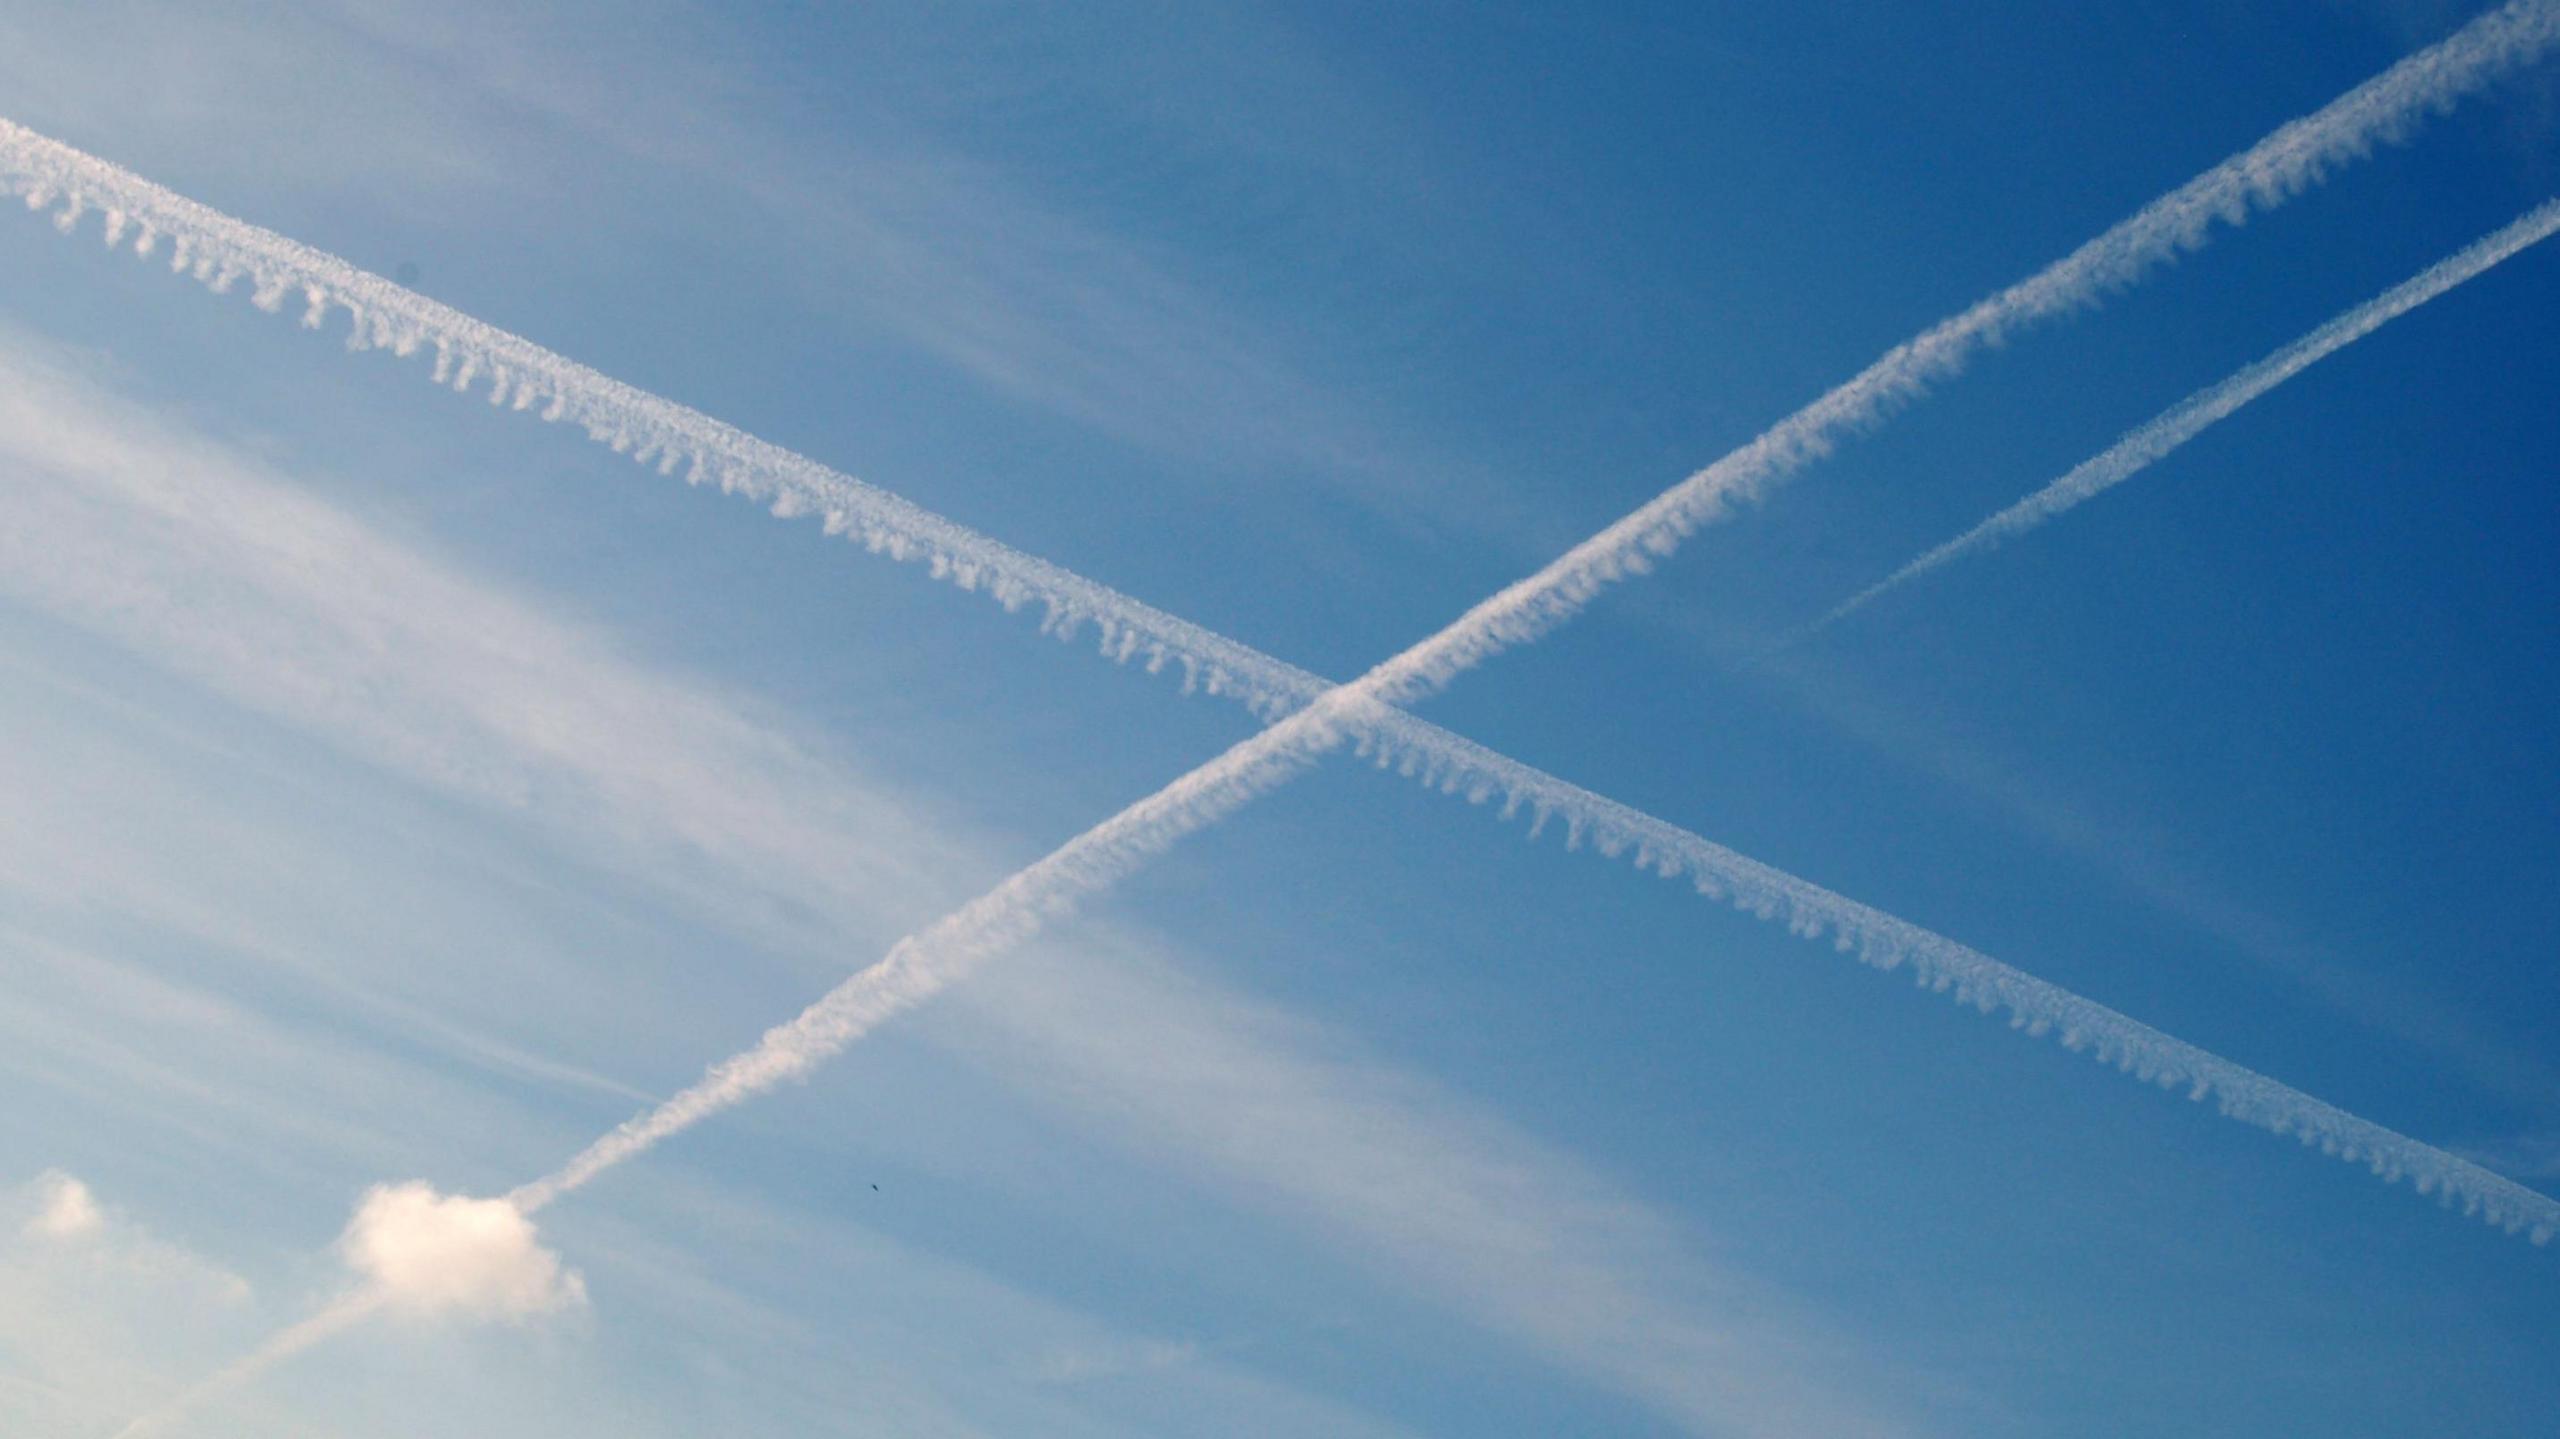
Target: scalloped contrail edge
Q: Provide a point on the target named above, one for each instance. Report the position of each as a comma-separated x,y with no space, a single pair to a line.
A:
919,966
1027,903
2034,1006
222,250
2157,438
923,964
1022,906
219,250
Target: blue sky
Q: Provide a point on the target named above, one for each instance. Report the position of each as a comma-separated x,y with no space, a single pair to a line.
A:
400,791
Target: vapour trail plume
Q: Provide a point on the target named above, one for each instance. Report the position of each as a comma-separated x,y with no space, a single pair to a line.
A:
2295,157
923,964
928,961
221,251
2288,161
1018,909
2034,1007
418,1252
2156,438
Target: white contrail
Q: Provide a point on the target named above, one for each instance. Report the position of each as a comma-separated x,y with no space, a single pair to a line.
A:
388,316
1022,906
222,251
2290,160
2157,437
925,963
2034,1006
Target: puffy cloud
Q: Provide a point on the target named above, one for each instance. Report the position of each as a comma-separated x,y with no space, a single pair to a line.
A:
98,1316
64,1235
65,1210
432,1253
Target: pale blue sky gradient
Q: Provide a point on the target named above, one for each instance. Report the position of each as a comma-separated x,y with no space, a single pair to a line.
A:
428,786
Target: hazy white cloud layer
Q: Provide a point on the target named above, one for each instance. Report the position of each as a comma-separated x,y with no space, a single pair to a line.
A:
218,250
97,1313
208,563
928,961
137,530
193,554
1406,1175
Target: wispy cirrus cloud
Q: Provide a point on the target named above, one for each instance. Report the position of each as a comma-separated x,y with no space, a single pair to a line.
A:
928,961
1301,1123
96,1310
213,566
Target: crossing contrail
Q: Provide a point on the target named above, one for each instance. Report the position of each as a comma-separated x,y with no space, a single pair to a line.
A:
1018,909
1015,911
2293,158
2156,438
223,251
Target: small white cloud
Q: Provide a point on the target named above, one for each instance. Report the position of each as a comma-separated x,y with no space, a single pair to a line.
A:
62,1233
449,1254
97,1314
1085,1363
65,1210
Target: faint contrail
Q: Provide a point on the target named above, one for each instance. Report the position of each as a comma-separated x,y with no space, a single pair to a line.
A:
924,963
341,1315
222,250
2157,437
385,315
2294,157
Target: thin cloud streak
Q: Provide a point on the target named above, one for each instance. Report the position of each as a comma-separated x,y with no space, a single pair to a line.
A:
206,562
341,1315
925,963
221,250
2160,436
2294,158
1024,905
1405,1179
